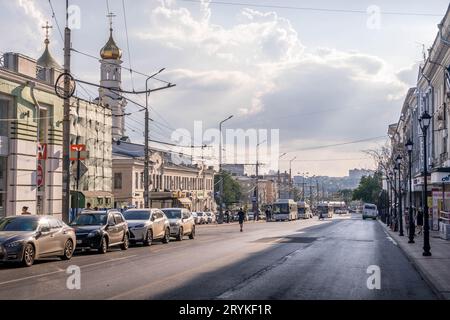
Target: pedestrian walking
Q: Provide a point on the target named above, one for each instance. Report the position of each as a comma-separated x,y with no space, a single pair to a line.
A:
227,216
25,211
407,220
419,221
241,216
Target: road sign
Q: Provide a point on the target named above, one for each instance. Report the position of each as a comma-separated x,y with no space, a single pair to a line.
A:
42,151
78,152
39,176
83,169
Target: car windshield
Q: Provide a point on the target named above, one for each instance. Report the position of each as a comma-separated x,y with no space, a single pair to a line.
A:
172,214
136,215
90,219
369,207
18,224
200,214
280,208
301,210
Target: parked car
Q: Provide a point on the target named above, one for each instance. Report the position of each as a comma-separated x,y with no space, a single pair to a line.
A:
262,216
25,239
101,230
250,216
195,217
147,225
210,217
181,223
202,218
370,211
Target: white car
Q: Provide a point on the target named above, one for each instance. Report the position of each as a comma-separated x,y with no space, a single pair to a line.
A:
370,211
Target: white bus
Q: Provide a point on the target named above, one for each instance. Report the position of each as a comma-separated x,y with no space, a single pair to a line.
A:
304,210
285,210
325,209
339,207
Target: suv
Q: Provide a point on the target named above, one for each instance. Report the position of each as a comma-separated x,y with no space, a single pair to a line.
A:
370,211
100,230
181,223
147,225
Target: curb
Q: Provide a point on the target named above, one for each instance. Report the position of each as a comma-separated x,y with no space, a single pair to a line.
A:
422,272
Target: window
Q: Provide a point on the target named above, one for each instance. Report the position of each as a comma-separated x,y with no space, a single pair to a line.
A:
111,219
54,224
118,180
118,218
142,180
3,174
136,180
4,115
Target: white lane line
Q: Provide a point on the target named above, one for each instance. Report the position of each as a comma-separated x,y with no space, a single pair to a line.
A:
64,270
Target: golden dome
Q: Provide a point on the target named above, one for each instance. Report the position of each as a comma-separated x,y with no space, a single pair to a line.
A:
111,50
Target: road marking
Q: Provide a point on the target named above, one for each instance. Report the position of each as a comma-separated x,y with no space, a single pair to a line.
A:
64,270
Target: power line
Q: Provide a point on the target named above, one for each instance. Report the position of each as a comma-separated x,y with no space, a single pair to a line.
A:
134,71
56,20
128,43
340,144
327,10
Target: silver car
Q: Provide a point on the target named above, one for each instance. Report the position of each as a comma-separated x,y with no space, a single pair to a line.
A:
147,225
182,223
27,238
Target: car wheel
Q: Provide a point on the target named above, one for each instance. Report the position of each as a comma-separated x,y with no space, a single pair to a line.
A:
192,235
180,235
166,238
28,255
149,238
103,246
125,244
68,250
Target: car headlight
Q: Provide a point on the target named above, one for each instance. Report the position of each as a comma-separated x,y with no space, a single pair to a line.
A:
13,244
94,233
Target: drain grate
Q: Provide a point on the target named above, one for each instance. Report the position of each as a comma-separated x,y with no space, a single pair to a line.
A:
287,240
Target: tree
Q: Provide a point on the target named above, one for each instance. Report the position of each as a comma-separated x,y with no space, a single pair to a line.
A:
346,195
231,188
369,189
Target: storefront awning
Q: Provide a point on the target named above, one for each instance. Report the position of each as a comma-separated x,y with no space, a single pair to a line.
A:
185,201
97,194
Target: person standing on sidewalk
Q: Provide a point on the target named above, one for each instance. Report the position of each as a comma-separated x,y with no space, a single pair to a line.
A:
419,221
241,216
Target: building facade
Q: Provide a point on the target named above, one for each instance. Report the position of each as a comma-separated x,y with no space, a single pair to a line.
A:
171,184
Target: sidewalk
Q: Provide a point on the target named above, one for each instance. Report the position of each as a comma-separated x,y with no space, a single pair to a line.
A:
435,270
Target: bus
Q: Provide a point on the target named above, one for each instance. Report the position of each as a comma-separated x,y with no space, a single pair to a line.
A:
304,210
325,208
285,210
339,207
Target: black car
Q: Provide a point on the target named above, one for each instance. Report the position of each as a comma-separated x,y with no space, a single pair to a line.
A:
100,230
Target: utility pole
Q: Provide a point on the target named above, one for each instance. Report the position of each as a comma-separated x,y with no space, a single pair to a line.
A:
147,201
66,123
220,171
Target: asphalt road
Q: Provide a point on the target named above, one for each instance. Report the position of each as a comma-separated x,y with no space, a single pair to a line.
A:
284,260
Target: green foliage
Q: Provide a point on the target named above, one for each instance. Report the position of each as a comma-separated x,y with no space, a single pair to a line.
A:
231,188
369,189
346,195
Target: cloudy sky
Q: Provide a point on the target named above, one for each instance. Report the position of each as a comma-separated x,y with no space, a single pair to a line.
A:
325,73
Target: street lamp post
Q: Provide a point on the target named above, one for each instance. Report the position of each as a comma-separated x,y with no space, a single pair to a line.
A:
400,215
394,216
424,121
409,146
290,177
146,146
256,213
391,196
220,171
279,179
